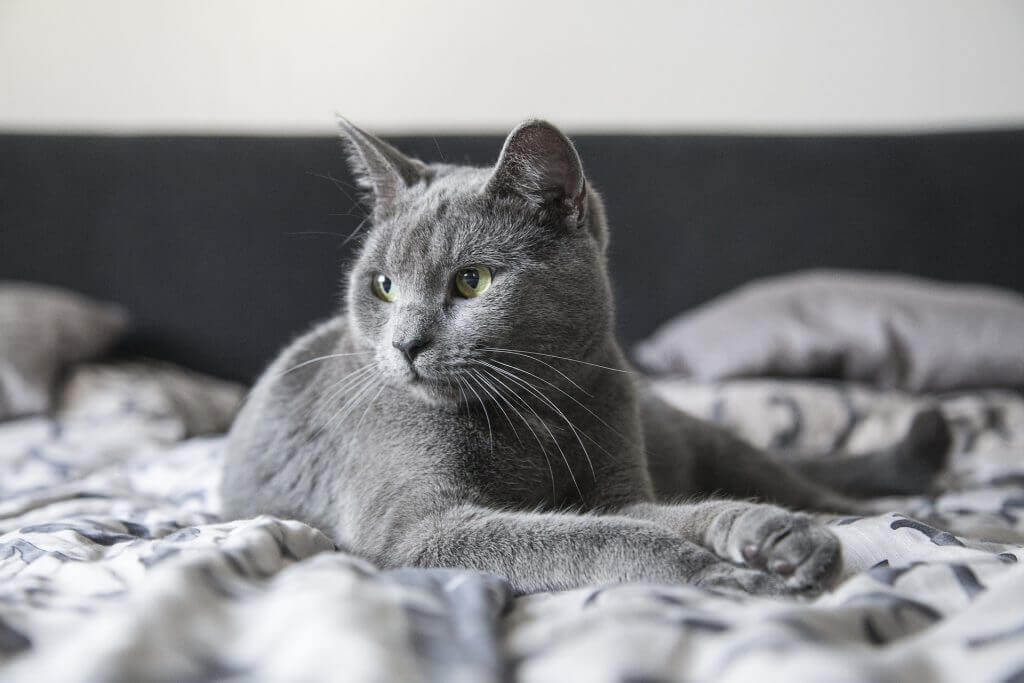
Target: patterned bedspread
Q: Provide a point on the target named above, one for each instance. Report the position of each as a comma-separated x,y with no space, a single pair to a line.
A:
115,565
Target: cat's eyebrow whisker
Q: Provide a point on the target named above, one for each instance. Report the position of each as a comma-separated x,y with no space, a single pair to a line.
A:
530,387
551,355
551,472
538,360
544,424
338,184
323,358
490,434
306,233
356,231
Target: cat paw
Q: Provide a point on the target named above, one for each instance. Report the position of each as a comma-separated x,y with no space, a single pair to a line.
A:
800,552
923,453
732,579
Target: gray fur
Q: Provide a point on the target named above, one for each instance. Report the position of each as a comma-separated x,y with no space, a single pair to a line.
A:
464,456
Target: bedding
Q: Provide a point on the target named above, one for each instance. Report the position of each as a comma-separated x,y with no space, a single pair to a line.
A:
43,329
115,565
894,331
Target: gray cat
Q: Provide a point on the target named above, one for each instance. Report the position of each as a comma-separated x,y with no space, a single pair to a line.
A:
469,406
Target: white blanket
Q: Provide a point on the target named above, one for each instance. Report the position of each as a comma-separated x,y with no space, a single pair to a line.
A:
114,564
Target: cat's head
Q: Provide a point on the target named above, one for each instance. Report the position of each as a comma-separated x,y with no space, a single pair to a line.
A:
460,261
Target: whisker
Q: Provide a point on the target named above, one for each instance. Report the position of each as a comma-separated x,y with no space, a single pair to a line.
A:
551,355
582,405
356,399
353,378
356,231
318,405
439,152
365,386
338,184
579,403
322,358
598,444
309,233
356,388
538,360
550,433
557,410
483,384
490,434
463,392
551,472
369,405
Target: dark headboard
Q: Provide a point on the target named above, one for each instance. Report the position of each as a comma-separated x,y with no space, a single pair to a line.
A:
224,248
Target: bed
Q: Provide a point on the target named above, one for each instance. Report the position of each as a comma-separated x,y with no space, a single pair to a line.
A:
115,563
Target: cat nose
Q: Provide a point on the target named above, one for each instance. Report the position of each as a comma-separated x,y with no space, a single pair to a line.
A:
411,347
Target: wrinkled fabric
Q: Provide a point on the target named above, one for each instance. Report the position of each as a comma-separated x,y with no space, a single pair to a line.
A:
115,565
892,331
42,330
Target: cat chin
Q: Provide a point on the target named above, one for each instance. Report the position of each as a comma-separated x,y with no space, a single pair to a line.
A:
435,392
430,384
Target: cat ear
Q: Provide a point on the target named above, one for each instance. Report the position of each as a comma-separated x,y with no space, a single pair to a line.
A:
539,164
379,167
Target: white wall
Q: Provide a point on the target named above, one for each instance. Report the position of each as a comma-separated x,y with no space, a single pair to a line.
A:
268,66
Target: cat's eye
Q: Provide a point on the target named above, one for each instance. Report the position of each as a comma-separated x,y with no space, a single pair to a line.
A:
472,281
384,288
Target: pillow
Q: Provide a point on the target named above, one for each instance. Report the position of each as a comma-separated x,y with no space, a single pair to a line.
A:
893,331
191,404
42,329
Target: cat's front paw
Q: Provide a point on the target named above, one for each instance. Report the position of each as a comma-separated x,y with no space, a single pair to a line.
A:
733,579
803,553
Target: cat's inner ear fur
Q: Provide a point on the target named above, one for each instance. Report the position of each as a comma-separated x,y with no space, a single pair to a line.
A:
540,164
378,167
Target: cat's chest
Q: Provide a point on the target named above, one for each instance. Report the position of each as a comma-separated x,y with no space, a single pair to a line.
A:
504,458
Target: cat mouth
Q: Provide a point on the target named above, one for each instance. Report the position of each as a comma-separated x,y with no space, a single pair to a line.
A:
431,382
423,377
431,373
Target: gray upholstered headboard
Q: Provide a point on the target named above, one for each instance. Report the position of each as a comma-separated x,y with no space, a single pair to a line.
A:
223,248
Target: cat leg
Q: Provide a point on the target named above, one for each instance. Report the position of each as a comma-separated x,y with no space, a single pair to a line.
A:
736,469
688,457
792,546
554,551
906,468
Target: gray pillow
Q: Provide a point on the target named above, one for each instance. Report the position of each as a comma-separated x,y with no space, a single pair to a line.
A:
42,329
893,331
